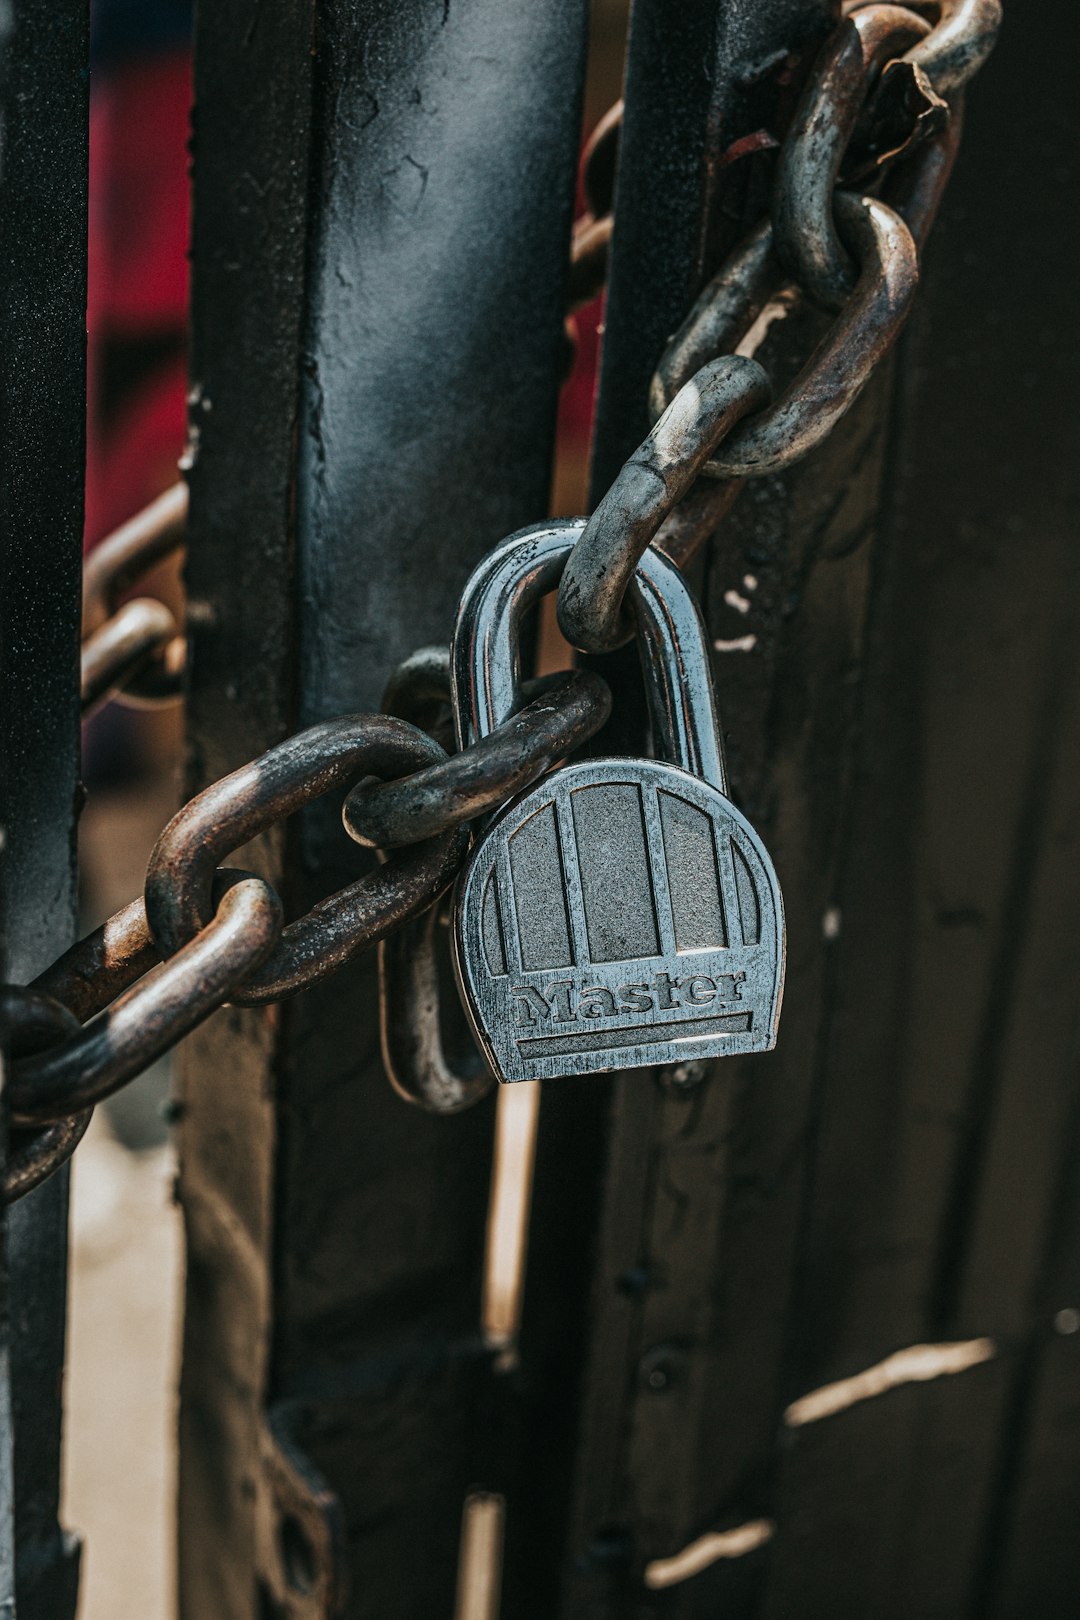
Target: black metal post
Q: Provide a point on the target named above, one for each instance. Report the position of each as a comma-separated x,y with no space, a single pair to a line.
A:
383,197
43,191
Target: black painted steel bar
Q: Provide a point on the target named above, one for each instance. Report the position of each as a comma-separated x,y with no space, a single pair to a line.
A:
43,196
377,346
7,1447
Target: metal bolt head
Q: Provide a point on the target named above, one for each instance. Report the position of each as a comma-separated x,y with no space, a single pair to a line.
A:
661,1369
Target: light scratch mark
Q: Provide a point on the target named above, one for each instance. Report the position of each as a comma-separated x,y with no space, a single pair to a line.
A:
777,309
745,1538
918,1364
480,1558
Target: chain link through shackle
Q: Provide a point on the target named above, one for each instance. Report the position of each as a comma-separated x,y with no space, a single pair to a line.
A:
858,180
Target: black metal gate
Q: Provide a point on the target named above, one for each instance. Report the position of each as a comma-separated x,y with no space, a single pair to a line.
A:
797,1333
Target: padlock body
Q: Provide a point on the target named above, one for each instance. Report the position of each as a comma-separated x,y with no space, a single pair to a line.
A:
621,913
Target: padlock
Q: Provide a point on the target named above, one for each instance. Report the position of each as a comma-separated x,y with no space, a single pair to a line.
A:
619,913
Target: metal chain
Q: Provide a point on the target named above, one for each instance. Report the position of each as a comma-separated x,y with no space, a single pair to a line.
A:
875,97
135,651
880,112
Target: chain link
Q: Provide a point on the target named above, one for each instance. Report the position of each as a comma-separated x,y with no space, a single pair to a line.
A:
881,111
135,651
180,876
33,1022
565,710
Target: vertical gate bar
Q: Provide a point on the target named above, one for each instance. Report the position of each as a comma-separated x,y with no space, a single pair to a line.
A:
419,199
43,193
705,1187
251,141
7,1438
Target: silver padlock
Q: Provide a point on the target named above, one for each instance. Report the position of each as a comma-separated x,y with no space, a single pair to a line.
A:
620,912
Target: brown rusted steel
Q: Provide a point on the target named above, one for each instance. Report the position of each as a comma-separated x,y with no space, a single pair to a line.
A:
130,552
124,644
696,518
410,1025
154,1014
571,709
35,1154
98,967
589,251
650,484
136,656
337,930
840,366
31,1022
723,313
805,235
600,161
916,190
962,38
95,970
418,691
180,876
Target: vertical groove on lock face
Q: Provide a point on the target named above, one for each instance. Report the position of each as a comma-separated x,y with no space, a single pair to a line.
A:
690,853
536,867
616,888
748,901
494,948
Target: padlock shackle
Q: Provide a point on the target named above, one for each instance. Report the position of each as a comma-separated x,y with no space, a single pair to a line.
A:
486,652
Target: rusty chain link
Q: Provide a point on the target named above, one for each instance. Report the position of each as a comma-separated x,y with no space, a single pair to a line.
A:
134,651
858,179
35,1022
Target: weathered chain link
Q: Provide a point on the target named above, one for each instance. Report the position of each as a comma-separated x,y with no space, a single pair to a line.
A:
35,1022
568,709
203,935
885,88
135,651
591,241
182,869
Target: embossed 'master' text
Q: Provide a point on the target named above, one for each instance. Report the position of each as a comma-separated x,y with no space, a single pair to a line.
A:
567,1000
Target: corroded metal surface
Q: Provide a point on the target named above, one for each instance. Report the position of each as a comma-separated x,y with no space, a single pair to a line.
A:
133,650
179,881
484,776
154,1014
842,364
30,1021
807,240
646,491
